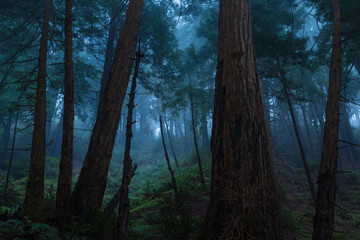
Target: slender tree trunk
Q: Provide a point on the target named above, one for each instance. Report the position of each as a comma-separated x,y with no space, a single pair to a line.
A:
310,144
325,203
243,199
298,137
343,147
204,130
57,137
349,134
90,187
33,208
66,162
124,203
171,145
11,152
168,163
202,181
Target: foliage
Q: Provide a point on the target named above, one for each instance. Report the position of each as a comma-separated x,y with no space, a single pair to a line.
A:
15,229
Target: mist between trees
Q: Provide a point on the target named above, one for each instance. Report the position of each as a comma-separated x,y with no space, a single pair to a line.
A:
163,119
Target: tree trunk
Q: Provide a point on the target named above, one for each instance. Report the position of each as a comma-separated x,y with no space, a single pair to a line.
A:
90,187
310,144
11,151
33,208
124,203
325,203
57,137
297,133
168,163
345,118
65,168
109,51
345,149
201,174
204,130
171,145
243,199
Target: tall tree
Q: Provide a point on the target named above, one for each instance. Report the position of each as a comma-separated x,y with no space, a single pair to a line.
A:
34,198
243,201
65,169
325,202
90,187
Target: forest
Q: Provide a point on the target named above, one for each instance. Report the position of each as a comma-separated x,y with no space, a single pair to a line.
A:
180,119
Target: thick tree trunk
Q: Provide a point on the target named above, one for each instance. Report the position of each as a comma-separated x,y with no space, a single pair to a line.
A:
109,52
298,137
243,199
168,163
66,162
128,173
34,198
90,187
201,174
325,203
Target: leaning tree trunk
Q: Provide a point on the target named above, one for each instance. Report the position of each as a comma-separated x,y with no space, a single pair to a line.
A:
298,137
325,203
33,208
90,187
201,174
243,199
65,169
109,49
168,163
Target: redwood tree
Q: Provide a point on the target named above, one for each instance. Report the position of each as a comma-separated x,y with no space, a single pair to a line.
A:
243,201
65,169
90,187
325,201
34,198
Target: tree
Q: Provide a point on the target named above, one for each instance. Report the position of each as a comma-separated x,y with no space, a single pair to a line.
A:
90,187
34,198
243,201
325,202
65,168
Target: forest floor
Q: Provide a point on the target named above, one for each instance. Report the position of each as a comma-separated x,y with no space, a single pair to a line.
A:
297,209
153,214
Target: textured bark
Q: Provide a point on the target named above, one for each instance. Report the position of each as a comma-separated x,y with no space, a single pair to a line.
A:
325,203
109,51
124,202
90,187
298,137
34,197
66,162
243,199
168,162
